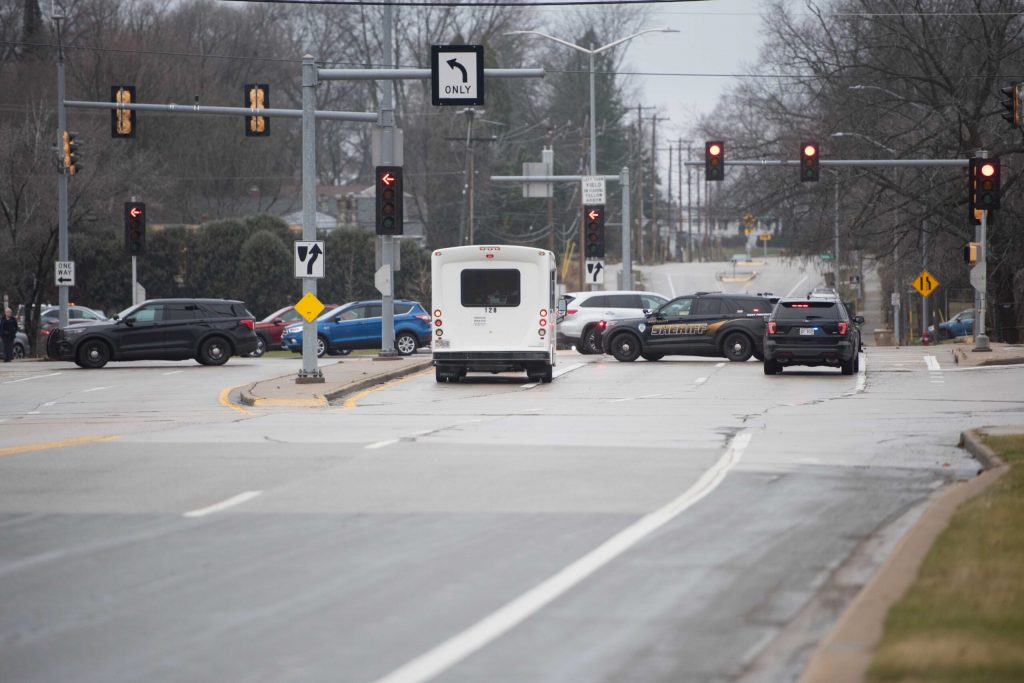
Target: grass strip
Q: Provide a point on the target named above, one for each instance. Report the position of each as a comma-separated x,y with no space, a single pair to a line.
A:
963,618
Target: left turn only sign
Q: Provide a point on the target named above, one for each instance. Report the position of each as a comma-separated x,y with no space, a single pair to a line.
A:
457,75
309,258
64,273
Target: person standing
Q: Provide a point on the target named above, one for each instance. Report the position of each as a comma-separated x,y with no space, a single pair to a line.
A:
8,330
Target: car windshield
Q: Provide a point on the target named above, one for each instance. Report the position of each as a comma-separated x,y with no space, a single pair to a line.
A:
126,312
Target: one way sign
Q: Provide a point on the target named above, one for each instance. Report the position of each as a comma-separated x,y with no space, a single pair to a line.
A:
309,259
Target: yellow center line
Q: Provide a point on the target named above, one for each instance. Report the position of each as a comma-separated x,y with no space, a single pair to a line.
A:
44,445
224,401
350,402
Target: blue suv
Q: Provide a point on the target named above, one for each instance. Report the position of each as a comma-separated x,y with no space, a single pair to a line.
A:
357,325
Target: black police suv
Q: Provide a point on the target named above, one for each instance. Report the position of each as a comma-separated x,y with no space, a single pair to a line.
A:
701,324
812,332
209,330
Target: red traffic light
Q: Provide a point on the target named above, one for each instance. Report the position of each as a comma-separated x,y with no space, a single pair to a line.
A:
387,178
714,149
810,150
135,212
988,170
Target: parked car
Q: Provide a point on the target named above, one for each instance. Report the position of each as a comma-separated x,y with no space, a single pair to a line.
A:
270,329
49,318
209,330
357,325
580,312
960,325
812,332
21,345
701,324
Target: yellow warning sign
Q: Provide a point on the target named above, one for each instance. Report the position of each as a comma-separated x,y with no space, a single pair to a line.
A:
309,307
764,236
925,283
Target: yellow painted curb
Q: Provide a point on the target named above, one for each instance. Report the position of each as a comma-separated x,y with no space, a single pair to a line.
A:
313,402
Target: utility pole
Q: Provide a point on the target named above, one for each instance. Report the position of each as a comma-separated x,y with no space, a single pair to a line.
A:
548,156
689,212
654,184
62,182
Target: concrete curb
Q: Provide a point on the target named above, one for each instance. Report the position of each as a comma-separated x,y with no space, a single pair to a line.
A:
320,400
368,382
846,652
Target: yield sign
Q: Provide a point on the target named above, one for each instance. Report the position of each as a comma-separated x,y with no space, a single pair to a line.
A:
925,283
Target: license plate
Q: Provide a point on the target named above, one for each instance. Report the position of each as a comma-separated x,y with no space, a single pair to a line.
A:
807,330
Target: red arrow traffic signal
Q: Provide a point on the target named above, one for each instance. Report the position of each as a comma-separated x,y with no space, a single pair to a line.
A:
387,178
135,212
593,215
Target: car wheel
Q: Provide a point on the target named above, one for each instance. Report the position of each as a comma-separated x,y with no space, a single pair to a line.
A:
451,376
261,346
652,356
589,343
846,366
18,350
405,344
214,351
321,346
625,348
758,356
92,354
772,367
856,362
737,347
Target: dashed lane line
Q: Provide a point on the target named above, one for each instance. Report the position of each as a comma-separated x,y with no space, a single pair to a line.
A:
28,379
224,504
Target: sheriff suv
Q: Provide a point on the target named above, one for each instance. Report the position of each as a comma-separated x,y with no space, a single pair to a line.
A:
702,324
812,332
209,330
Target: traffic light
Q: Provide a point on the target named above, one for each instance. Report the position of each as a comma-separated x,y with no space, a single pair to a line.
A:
714,160
134,228
593,221
809,162
987,183
71,157
389,200
122,121
1013,103
971,253
257,97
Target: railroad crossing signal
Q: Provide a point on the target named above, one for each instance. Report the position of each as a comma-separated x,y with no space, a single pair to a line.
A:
122,121
134,228
714,160
809,162
389,200
257,98
925,283
593,219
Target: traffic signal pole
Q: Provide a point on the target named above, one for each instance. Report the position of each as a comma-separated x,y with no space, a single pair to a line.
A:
310,372
62,181
387,158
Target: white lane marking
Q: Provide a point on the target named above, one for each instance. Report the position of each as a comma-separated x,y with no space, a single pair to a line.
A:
931,362
621,400
224,504
718,365
700,380
26,379
32,412
173,372
555,374
862,376
567,370
495,625
49,403
380,444
86,391
802,280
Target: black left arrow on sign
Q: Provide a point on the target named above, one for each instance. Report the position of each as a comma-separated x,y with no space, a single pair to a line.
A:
313,253
454,63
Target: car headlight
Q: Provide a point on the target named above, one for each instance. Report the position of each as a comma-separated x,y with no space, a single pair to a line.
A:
611,323
68,331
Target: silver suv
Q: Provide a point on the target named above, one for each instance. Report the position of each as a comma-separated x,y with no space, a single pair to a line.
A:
579,312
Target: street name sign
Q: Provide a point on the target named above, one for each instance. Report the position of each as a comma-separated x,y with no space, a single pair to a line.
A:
64,273
457,75
925,283
309,258
593,189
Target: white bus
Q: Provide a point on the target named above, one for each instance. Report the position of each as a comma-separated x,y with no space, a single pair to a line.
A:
494,311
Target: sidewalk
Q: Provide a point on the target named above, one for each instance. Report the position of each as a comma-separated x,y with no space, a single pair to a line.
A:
341,378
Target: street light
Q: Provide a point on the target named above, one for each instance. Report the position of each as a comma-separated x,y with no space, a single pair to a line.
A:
863,137
591,53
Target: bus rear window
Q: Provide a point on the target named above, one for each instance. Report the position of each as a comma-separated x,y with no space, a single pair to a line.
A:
490,287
